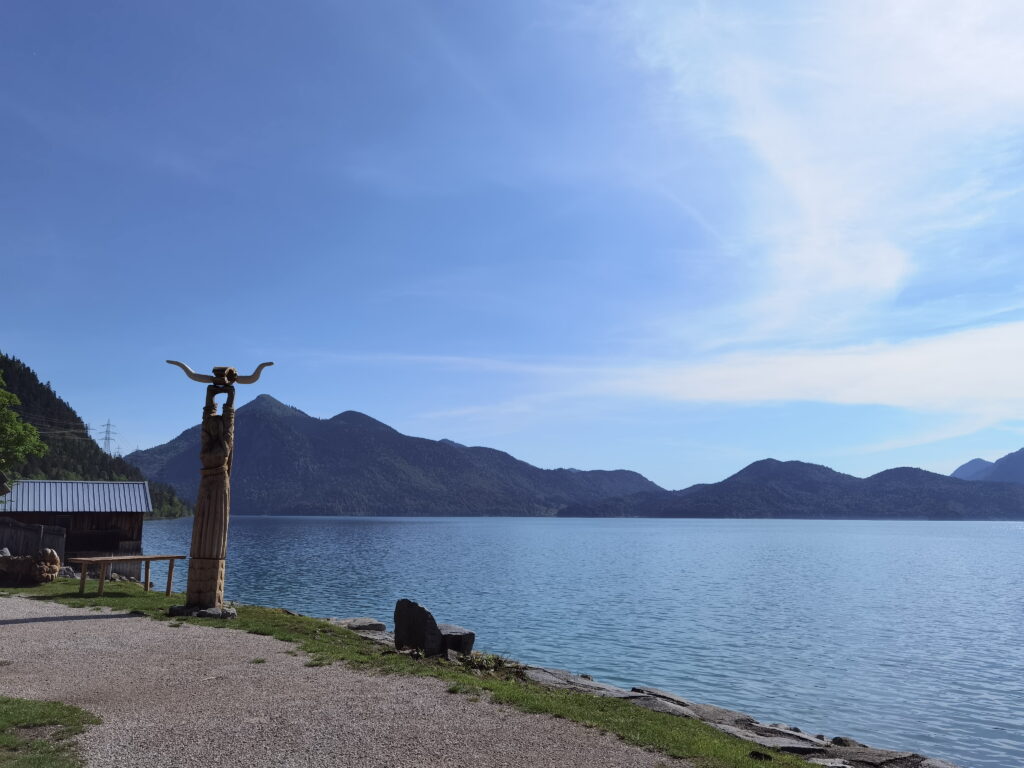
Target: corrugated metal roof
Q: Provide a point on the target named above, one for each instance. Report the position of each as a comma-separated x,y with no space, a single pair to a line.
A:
66,496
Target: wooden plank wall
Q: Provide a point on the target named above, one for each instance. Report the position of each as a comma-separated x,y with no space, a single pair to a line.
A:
108,533
92,534
27,538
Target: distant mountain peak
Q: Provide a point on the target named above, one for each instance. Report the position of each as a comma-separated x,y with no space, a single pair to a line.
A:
271,405
904,474
773,469
975,469
360,420
1008,469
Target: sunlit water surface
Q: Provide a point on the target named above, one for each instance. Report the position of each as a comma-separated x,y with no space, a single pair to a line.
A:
905,635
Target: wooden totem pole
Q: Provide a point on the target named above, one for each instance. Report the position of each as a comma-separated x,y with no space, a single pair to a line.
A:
213,502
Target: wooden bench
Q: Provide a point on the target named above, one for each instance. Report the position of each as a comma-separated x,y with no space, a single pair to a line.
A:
103,563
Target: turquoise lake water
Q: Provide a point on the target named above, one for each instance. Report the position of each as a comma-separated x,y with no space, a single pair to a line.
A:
906,635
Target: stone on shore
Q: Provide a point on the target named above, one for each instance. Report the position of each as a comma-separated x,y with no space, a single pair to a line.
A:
223,612
456,638
416,629
561,678
661,705
361,624
794,746
843,741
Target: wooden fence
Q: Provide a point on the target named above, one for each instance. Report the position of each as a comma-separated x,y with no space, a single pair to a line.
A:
27,539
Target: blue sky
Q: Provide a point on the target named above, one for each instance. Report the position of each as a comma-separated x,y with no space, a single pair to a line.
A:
674,237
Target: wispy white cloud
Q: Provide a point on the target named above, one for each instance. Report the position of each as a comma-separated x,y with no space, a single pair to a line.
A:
876,128
975,373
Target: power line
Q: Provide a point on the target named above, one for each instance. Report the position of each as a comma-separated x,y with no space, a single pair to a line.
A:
41,420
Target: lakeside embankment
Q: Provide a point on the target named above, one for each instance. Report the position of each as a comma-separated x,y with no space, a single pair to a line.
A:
836,752
80,657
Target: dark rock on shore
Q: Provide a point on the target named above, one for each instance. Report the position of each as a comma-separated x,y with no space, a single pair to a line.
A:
416,629
456,638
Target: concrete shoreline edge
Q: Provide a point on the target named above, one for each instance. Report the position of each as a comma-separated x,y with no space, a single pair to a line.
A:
837,752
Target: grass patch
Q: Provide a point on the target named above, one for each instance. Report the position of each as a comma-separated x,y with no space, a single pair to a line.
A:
37,734
488,662
469,689
326,643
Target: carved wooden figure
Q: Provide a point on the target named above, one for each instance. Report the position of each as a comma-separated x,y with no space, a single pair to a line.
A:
213,502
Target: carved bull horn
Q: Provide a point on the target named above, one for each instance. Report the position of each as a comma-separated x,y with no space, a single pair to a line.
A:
224,375
252,377
201,378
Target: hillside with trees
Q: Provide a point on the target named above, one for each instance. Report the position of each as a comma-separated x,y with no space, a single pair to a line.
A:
71,454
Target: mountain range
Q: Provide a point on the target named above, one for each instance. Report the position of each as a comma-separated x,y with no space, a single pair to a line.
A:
796,489
287,462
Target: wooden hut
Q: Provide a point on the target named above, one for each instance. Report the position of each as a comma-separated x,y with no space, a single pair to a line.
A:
101,518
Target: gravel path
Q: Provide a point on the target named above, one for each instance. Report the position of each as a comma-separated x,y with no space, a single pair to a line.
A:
191,696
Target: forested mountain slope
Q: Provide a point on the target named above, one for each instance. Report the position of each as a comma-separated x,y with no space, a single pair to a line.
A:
287,462
73,454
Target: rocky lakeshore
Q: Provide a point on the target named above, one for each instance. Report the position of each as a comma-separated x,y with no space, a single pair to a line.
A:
836,752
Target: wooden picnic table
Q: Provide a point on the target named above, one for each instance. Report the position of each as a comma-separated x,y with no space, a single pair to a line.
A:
103,563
